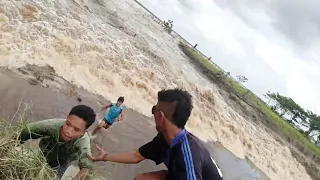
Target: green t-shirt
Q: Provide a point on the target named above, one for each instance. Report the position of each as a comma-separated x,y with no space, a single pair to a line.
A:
55,151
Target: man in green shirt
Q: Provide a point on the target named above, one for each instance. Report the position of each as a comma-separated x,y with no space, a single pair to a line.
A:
64,140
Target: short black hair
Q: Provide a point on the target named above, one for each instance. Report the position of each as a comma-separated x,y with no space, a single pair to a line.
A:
84,112
183,107
121,99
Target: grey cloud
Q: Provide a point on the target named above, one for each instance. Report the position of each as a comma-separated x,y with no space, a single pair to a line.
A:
298,20
187,4
240,8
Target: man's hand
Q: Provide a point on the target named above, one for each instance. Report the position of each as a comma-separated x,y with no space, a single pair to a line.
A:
119,118
101,155
82,174
127,157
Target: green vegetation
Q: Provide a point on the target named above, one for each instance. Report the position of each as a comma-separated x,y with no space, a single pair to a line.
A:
194,55
272,115
17,162
284,106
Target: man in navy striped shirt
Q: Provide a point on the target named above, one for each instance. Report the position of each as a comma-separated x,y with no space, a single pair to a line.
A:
184,154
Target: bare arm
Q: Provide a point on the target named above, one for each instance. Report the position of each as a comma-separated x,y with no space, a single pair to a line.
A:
82,174
121,115
37,130
82,147
128,157
106,107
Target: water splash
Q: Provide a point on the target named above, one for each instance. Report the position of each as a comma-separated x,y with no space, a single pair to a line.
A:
114,48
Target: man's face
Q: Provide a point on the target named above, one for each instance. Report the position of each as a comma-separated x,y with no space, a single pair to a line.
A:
162,113
73,128
118,103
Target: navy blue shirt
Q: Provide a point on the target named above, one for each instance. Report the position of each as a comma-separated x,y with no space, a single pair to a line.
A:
186,158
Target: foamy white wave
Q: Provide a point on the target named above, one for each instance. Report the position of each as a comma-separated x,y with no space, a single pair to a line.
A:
77,40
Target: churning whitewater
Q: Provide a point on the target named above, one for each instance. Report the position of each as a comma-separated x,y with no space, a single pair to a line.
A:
114,48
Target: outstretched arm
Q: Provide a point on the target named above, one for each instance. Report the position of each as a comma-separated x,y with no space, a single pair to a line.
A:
36,130
82,147
106,107
121,116
128,157
151,150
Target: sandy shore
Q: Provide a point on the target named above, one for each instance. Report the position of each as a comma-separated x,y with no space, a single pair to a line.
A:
54,99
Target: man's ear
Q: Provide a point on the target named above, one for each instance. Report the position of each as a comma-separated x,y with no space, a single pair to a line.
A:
163,116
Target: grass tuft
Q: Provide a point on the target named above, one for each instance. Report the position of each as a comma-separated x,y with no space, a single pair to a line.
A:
17,162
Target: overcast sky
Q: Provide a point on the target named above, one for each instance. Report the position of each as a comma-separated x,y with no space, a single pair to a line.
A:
272,42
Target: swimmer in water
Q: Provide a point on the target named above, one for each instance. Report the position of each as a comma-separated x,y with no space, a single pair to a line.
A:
115,114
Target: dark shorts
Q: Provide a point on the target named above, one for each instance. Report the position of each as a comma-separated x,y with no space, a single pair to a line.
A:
109,123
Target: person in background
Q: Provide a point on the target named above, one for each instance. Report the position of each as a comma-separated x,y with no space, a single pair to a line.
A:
184,155
64,140
115,114
195,46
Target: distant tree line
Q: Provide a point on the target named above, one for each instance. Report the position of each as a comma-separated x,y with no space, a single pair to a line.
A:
289,110
241,78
